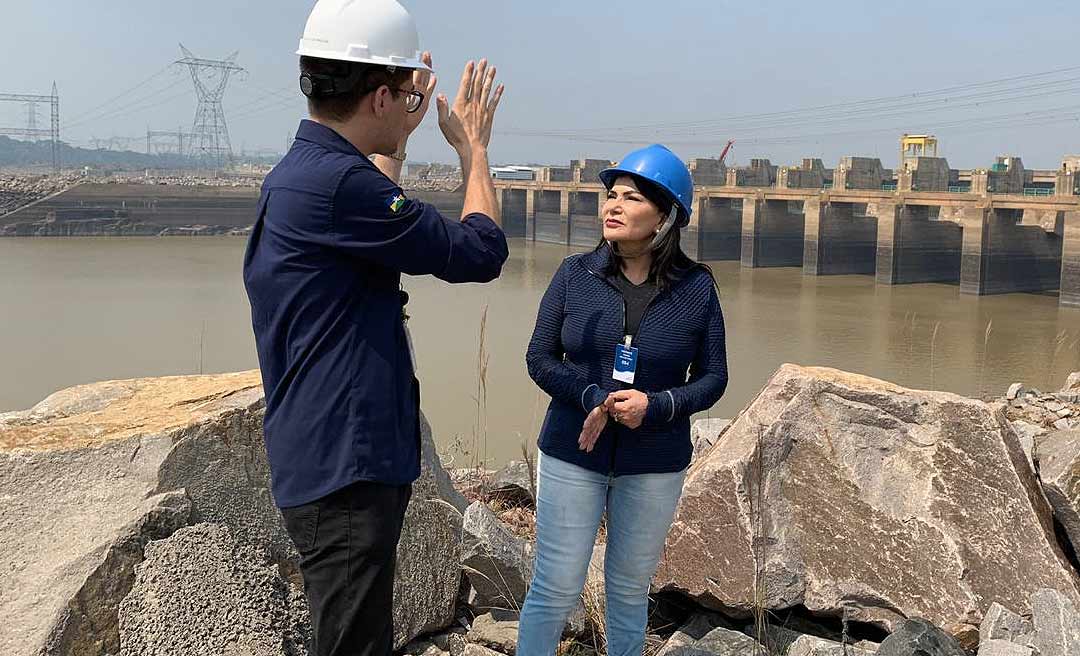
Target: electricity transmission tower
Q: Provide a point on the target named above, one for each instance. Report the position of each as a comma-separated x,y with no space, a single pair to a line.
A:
32,131
183,141
210,136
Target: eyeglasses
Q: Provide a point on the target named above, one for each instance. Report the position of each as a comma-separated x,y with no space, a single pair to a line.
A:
413,99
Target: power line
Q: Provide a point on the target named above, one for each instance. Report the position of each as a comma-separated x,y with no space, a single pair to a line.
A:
138,85
866,105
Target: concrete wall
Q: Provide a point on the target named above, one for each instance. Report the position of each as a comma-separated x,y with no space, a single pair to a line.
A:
925,174
514,206
587,170
551,216
812,174
1009,181
860,173
710,172
760,173
771,236
719,229
1070,261
836,240
1001,256
554,174
158,204
585,229
911,247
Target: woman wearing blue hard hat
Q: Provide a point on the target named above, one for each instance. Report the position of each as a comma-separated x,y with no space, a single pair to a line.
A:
629,342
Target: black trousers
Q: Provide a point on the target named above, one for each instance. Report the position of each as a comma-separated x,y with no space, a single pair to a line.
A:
348,545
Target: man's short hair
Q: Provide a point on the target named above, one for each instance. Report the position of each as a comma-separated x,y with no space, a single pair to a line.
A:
342,106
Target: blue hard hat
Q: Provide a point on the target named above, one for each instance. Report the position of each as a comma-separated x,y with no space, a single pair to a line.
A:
661,167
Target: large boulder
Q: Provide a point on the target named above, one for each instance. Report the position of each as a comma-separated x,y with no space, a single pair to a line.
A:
1004,648
850,495
720,642
807,645
1001,623
92,474
1059,470
1057,624
917,636
497,631
705,432
200,591
497,563
515,483
428,574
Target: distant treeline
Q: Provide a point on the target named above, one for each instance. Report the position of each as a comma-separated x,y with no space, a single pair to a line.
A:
15,153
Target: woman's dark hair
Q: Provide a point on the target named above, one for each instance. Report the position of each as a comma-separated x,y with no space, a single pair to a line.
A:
669,263
342,106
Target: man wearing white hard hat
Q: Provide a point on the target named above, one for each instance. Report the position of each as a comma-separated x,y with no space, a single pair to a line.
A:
322,270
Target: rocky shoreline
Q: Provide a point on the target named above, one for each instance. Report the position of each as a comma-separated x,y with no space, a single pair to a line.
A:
837,514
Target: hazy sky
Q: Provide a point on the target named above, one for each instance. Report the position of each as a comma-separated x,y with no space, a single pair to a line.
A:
596,78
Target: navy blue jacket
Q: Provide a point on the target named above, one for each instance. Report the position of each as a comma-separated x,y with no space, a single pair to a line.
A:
572,356
322,272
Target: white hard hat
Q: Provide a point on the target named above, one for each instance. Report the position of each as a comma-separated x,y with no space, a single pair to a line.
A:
365,31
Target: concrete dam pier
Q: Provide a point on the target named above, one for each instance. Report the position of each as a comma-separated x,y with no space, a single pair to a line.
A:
987,231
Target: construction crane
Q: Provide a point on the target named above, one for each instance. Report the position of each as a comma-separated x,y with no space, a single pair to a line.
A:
724,152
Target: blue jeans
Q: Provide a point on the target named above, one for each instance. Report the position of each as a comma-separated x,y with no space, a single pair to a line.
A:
570,503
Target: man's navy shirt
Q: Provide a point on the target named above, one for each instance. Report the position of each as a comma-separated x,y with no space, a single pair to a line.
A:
322,273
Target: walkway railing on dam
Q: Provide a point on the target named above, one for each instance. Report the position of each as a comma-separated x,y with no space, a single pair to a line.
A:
985,243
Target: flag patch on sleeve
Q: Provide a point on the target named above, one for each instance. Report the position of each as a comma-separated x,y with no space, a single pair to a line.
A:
397,202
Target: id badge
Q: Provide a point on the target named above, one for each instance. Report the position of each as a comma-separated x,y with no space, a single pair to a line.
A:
625,362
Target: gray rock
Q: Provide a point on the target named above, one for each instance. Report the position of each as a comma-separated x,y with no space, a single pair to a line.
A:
1003,648
1057,624
91,474
705,432
873,498
1014,391
423,648
1029,434
917,636
1067,397
1001,623
807,645
477,650
776,638
435,482
1059,470
966,635
498,634
515,483
86,482
1062,424
201,592
456,644
442,640
703,636
428,573
298,632
688,634
497,563
722,642
1072,383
